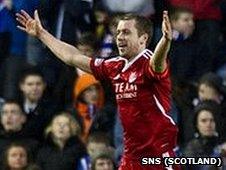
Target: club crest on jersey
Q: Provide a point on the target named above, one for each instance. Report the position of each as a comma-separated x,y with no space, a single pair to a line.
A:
132,77
98,62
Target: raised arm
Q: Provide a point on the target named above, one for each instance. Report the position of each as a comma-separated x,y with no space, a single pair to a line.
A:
67,53
158,61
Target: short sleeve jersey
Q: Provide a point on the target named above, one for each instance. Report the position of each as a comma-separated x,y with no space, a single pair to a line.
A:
143,98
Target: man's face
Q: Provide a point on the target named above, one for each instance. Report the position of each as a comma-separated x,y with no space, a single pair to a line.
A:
94,148
206,92
17,158
184,24
33,88
86,50
205,123
103,164
128,42
12,118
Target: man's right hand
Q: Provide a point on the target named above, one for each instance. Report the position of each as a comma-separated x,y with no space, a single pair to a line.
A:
28,24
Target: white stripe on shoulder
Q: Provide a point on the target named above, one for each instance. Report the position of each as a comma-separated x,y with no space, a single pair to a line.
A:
118,58
141,54
146,56
149,52
159,105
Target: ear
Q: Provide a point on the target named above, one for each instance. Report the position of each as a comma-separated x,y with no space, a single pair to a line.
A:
23,118
144,39
21,85
173,23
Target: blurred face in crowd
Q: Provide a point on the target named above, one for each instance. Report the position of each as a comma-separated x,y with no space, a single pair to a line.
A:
17,158
104,164
33,88
12,117
94,148
208,93
61,128
184,24
206,123
101,16
91,94
86,50
128,41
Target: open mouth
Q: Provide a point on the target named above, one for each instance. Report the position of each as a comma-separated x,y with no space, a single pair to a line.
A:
122,46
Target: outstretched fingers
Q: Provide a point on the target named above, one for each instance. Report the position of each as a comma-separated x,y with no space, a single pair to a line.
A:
25,15
166,25
21,28
165,16
27,23
21,19
166,19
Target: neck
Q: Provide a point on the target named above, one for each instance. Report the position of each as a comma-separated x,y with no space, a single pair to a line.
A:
14,130
30,102
59,142
17,168
130,58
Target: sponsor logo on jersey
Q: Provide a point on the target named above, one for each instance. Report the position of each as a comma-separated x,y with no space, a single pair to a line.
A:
125,90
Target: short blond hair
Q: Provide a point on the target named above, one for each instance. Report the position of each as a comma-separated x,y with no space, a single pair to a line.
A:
75,129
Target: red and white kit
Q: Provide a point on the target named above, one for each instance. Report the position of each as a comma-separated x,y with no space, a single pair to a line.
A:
143,98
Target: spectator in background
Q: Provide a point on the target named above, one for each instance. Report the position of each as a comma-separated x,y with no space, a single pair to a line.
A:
104,117
12,122
141,7
88,45
211,88
186,54
13,65
38,108
103,161
63,147
105,29
206,124
183,55
63,93
88,100
17,157
68,20
207,16
97,143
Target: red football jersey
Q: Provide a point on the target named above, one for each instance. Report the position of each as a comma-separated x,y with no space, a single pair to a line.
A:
143,99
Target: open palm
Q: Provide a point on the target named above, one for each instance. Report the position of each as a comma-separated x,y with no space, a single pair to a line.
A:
28,24
166,26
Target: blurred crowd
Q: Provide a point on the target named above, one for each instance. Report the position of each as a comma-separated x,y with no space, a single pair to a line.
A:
56,117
